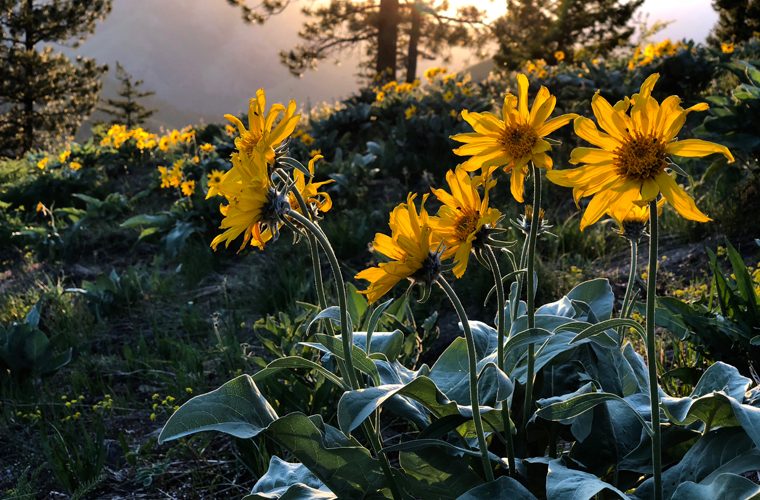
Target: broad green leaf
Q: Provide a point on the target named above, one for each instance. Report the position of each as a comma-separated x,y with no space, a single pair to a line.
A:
504,488
331,313
388,343
563,482
420,443
290,362
577,405
598,333
344,466
723,450
597,293
334,345
727,486
357,304
236,408
284,480
522,340
439,474
374,318
722,377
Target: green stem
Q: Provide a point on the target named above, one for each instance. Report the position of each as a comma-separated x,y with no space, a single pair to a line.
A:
514,305
473,369
624,311
654,393
530,295
493,263
314,233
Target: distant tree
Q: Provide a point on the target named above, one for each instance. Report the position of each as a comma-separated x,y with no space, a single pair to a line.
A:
44,95
738,21
392,33
537,29
128,110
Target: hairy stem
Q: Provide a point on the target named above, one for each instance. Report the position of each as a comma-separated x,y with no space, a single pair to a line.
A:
654,393
530,295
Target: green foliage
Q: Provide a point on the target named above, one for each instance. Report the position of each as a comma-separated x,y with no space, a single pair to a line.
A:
738,21
25,350
77,463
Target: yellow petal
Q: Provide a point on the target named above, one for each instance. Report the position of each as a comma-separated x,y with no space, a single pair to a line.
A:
483,123
697,148
586,129
679,199
555,123
612,121
522,97
517,183
590,155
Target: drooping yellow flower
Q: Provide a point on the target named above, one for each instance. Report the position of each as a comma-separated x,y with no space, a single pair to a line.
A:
410,247
727,47
630,163
318,200
207,148
250,197
462,216
515,139
75,165
262,130
40,207
214,179
188,187
42,164
632,222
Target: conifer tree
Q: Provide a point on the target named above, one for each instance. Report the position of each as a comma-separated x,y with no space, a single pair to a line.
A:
536,29
128,110
391,33
738,21
44,95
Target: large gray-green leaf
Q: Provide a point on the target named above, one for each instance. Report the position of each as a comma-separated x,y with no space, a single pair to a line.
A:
344,466
285,481
291,362
729,486
236,408
597,293
717,409
721,451
565,483
439,474
334,345
388,343
504,488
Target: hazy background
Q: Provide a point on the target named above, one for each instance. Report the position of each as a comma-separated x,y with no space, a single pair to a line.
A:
202,60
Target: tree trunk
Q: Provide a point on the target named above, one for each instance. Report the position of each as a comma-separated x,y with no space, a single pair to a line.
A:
387,36
28,118
414,39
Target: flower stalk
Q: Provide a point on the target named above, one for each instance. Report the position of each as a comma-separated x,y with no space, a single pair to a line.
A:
654,393
530,295
493,263
473,372
625,310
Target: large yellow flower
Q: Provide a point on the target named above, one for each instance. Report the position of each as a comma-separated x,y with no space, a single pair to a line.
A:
630,163
310,192
410,247
462,216
515,139
251,198
262,132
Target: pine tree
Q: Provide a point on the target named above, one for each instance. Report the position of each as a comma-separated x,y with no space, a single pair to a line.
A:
391,33
534,29
44,95
738,21
128,110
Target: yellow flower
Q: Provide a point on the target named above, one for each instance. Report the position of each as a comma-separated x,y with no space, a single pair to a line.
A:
410,112
207,148
165,177
310,190
632,222
188,187
559,56
262,131
727,47
40,207
64,156
251,209
175,174
307,139
75,165
448,96
631,161
380,96
196,159
42,164
315,152
410,247
390,86
214,179
431,73
515,139
462,216
229,130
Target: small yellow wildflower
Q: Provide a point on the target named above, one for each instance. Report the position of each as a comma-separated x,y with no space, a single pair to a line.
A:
196,159
431,73
75,165
42,164
380,96
315,152
152,417
307,139
559,56
188,187
189,390
207,148
410,112
41,208
64,156
448,96
727,47
229,130
214,179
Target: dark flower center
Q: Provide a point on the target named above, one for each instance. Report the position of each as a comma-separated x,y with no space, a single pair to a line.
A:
642,157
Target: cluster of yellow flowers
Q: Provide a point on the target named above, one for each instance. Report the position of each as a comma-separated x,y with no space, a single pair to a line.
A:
432,73
303,136
394,87
63,159
643,56
118,134
175,178
165,405
537,68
